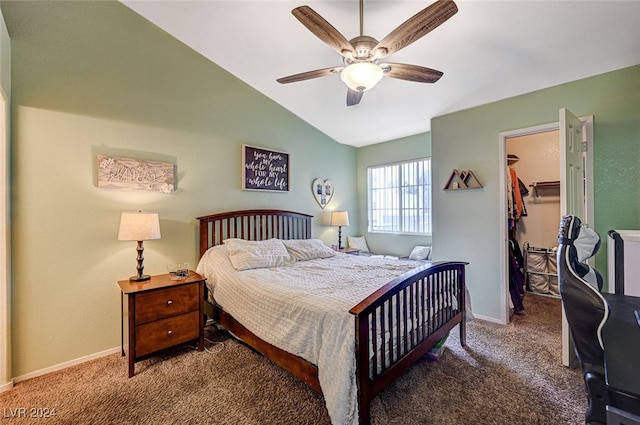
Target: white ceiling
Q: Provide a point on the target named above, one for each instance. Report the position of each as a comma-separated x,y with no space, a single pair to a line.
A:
489,50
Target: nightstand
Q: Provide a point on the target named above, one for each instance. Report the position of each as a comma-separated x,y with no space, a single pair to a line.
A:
161,313
351,251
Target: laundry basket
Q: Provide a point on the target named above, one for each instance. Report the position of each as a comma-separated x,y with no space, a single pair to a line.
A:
541,270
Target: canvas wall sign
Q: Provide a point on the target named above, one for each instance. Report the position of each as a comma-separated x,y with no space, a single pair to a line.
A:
134,174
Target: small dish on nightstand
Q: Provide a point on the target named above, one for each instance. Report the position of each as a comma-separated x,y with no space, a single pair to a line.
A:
178,271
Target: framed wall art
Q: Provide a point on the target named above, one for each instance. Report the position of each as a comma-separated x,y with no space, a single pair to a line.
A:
264,169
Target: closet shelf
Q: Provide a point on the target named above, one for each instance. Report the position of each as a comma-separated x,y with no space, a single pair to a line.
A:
512,159
544,185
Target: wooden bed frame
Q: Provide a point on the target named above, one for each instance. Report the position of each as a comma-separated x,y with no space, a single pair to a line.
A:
429,287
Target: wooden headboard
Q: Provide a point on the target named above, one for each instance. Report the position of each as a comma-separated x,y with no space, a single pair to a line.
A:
253,225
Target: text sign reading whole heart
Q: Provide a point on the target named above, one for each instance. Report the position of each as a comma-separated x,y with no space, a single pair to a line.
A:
323,191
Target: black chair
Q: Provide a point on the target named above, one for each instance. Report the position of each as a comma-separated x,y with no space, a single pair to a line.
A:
585,308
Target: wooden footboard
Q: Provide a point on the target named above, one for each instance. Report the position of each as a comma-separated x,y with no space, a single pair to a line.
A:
402,321
416,310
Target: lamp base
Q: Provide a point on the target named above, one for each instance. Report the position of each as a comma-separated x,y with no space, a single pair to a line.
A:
141,278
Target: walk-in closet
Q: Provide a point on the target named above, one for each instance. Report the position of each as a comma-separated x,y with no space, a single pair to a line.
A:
533,176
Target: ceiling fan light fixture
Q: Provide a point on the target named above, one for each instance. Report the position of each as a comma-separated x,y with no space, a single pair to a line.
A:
362,53
361,76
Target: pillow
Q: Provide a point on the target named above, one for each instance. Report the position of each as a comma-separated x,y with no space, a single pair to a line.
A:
214,259
358,242
246,255
308,249
420,252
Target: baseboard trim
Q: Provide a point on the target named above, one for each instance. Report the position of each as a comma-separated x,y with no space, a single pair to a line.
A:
488,319
66,364
6,387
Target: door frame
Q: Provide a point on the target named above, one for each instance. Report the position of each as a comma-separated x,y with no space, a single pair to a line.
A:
502,163
6,378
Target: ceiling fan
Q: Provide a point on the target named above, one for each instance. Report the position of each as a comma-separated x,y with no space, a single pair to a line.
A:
361,55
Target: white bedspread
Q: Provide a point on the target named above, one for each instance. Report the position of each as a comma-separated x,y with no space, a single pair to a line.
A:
304,309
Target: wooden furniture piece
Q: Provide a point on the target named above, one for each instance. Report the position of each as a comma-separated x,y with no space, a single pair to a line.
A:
426,287
161,313
352,251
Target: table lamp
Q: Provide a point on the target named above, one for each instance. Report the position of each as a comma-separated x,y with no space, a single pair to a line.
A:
139,226
339,218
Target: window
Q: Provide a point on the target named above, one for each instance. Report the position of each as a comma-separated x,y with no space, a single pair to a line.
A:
400,197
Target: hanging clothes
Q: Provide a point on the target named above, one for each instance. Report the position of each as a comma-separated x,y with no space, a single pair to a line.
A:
517,190
510,205
516,277
524,192
517,196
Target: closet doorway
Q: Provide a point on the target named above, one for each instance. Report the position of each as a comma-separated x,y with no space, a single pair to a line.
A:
576,190
534,160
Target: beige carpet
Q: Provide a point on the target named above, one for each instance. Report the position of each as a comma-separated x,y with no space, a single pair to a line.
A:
506,375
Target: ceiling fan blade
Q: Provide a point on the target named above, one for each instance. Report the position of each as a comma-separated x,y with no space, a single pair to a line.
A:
417,26
309,75
416,73
323,29
353,97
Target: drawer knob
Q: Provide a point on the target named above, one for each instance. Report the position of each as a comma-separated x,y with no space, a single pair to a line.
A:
169,333
169,302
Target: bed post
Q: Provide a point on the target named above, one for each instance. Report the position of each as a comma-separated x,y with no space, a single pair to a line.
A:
362,368
364,413
463,307
204,236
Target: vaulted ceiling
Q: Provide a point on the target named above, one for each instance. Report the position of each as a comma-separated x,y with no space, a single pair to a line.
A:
489,50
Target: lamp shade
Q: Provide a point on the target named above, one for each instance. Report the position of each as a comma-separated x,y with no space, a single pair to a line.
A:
361,76
139,226
339,218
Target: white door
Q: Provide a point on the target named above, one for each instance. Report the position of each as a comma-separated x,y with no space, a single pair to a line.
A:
573,190
6,376
572,180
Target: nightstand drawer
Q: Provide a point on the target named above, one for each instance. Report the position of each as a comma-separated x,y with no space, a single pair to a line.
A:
161,303
168,332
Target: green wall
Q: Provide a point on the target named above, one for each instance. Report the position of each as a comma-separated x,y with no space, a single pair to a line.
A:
95,78
412,147
466,223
